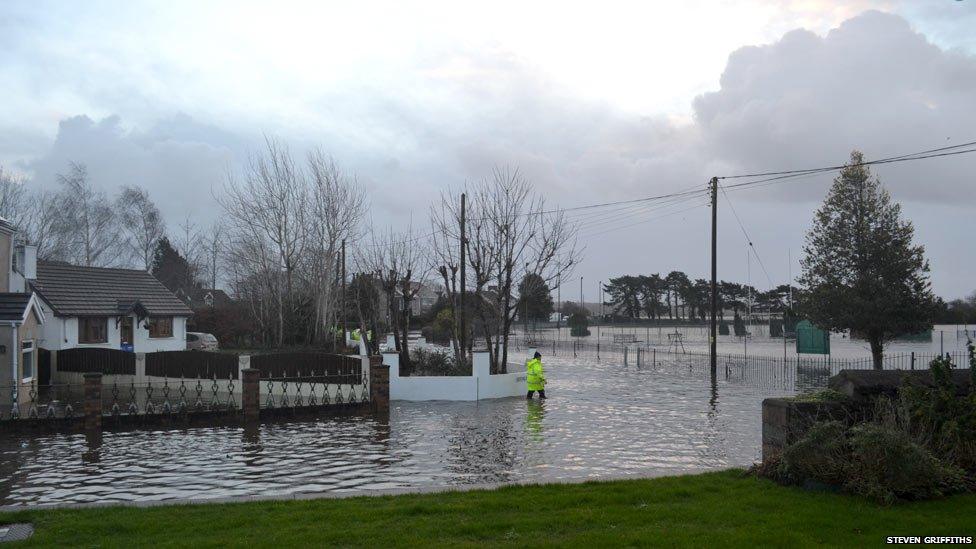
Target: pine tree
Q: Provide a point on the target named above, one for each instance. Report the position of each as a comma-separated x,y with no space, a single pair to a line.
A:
861,270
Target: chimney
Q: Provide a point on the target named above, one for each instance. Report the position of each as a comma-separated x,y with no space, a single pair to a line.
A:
25,260
6,254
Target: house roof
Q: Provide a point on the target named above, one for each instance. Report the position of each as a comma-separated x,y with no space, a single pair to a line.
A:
72,290
13,306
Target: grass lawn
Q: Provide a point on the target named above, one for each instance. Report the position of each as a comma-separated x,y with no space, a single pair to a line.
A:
704,510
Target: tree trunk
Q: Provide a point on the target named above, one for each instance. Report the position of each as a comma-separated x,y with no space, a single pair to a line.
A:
877,351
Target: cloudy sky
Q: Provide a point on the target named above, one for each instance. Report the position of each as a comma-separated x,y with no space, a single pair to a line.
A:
593,102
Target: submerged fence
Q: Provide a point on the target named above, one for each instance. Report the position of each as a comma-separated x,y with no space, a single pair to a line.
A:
783,372
181,383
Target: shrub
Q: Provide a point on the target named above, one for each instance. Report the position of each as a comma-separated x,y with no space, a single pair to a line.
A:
430,362
949,418
819,456
578,325
886,465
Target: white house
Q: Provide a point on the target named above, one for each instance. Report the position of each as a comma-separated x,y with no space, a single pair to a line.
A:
108,308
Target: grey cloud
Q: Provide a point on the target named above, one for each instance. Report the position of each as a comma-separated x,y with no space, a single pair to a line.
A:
179,173
872,83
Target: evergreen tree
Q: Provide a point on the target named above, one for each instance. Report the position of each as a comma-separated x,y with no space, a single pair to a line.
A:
861,270
534,298
172,269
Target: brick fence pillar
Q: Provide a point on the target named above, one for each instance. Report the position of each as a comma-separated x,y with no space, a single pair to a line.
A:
93,402
379,384
251,393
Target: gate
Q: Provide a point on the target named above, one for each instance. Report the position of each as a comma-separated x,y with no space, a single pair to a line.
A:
43,367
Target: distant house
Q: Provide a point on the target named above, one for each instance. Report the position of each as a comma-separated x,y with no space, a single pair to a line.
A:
108,308
21,317
425,297
198,298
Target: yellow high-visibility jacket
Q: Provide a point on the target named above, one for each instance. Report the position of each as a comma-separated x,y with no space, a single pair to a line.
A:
535,378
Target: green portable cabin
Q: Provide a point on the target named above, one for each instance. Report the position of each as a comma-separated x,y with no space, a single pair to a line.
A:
811,340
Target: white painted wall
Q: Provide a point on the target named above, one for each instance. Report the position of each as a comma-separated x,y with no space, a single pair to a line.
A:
480,385
62,333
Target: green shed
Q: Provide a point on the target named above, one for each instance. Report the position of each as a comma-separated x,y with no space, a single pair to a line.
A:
811,340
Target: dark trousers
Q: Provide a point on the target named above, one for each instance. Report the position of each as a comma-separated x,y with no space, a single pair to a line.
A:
542,394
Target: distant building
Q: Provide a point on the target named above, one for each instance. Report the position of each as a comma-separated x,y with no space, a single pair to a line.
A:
198,298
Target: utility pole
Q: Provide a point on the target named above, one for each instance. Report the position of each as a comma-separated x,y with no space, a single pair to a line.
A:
559,300
713,359
582,307
462,336
343,307
601,312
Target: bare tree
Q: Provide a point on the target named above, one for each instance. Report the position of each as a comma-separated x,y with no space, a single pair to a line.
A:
189,244
13,198
87,221
41,226
141,222
335,208
213,245
399,265
445,219
511,235
284,227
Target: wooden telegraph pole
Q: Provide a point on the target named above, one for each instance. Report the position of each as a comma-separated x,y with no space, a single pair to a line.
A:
462,336
714,325
342,309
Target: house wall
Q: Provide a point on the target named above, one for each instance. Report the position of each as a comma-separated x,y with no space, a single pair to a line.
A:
62,333
30,330
6,259
6,361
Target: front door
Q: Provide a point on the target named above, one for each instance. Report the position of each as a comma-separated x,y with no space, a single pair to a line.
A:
126,330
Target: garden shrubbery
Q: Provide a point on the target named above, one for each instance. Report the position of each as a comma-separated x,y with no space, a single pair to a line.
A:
430,362
920,445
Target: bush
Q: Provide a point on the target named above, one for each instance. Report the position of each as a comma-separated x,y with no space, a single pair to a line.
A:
429,362
949,418
820,456
578,325
886,465
875,460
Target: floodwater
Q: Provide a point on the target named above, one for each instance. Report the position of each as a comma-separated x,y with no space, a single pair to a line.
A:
946,338
602,419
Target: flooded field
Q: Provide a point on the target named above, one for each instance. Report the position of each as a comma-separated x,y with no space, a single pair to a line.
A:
602,419
943,339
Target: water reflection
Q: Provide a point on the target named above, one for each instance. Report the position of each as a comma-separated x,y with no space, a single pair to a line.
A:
535,413
601,419
93,447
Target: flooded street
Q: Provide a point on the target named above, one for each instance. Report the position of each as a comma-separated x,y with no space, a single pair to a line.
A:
602,419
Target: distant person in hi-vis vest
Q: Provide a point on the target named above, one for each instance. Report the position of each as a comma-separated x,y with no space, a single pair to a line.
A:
535,378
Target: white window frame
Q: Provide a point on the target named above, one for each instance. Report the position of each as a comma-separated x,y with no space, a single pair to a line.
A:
31,352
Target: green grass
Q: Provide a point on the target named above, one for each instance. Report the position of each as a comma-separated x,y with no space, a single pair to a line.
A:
713,509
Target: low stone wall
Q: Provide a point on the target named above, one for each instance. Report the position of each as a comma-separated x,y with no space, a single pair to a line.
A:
784,420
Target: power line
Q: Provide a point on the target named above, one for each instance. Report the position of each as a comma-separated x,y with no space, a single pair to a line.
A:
748,238
902,157
654,218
